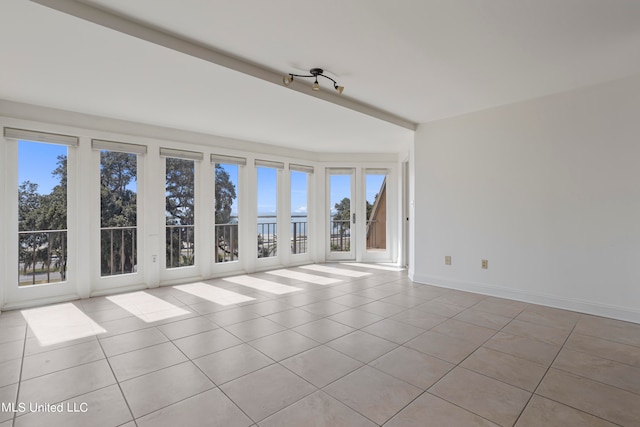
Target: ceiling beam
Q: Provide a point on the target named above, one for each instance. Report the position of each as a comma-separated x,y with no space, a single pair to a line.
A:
195,49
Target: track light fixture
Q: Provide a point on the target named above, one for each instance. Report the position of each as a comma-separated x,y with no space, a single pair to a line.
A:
313,73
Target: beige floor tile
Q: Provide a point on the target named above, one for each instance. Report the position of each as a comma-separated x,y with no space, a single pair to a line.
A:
489,398
376,294
140,362
500,306
526,348
562,319
8,395
547,334
232,316
321,365
265,392
283,344
292,318
325,308
300,299
611,403
356,318
391,330
362,346
351,300
255,328
62,358
429,410
105,407
444,347
231,363
206,342
596,368
158,389
10,372
10,333
439,308
130,341
483,318
317,410
122,326
544,412
623,353
211,407
414,367
404,300
418,318
609,329
11,350
323,330
459,298
62,385
266,308
510,369
33,346
465,331
381,308
373,393
183,328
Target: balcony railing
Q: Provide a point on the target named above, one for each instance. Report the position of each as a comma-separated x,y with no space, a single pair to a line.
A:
267,239
298,237
118,253
340,235
42,254
226,238
180,245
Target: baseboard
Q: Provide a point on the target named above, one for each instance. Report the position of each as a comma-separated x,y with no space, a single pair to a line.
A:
587,307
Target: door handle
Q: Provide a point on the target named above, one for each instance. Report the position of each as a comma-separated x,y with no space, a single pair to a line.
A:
354,218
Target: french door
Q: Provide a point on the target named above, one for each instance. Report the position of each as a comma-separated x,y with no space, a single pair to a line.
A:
342,218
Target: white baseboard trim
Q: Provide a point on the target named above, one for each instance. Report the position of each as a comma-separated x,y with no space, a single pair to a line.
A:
587,307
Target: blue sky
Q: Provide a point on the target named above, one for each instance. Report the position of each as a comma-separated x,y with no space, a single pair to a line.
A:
36,161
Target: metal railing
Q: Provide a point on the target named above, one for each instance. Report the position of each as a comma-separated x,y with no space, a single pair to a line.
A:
45,252
180,245
298,237
118,254
340,235
226,238
267,239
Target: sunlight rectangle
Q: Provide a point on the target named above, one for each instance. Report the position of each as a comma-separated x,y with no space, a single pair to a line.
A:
214,294
309,278
60,323
334,270
147,307
262,285
373,266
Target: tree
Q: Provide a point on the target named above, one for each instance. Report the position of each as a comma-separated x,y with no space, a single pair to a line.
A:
225,194
180,174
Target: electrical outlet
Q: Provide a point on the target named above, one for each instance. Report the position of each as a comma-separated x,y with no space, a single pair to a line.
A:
485,264
447,260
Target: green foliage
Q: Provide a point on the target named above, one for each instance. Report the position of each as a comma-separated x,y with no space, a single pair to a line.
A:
225,194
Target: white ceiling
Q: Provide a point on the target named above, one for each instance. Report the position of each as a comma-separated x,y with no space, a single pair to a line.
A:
420,60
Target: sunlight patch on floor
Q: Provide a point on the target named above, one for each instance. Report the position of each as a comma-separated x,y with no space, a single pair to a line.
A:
213,293
60,323
262,285
310,278
147,307
335,270
373,266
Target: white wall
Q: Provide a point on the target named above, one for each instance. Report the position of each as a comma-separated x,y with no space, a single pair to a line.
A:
548,191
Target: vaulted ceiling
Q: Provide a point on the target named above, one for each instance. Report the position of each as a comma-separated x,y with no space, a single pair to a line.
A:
401,62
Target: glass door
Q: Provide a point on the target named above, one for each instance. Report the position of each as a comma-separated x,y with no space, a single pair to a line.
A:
341,214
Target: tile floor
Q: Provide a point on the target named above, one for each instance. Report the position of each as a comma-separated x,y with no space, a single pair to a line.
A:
323,345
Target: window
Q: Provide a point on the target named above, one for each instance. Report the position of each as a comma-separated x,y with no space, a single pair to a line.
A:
42,213
267,212
376,198
226,212
118,213
299,211
180,212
